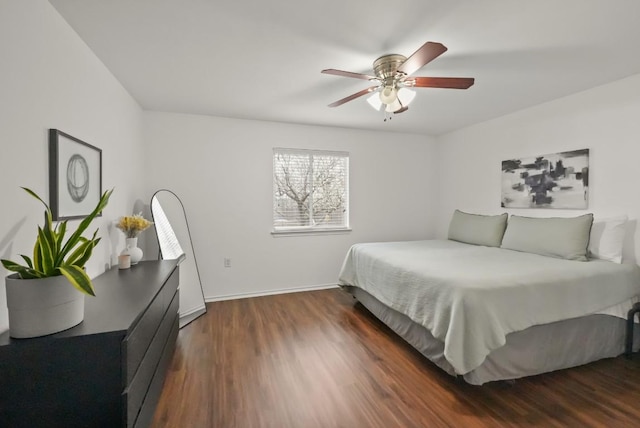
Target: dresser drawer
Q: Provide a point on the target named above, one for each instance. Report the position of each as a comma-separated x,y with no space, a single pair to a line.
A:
145,416
135,393
135,345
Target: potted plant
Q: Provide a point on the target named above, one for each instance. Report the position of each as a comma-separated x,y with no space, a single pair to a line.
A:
39,298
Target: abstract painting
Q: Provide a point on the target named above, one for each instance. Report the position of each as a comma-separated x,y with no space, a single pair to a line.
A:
75,176
559,180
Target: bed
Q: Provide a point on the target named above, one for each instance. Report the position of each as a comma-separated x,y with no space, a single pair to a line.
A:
489,312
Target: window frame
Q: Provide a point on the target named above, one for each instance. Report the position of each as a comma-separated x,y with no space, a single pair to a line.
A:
311,229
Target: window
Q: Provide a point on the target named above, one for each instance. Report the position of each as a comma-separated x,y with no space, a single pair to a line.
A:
310,190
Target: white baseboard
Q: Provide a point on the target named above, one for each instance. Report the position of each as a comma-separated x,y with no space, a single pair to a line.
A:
192,310
270,292
190,315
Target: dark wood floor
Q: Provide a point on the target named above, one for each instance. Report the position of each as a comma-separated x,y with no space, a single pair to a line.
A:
315,359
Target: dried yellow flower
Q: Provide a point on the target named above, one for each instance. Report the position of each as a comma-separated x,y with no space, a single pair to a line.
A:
133,225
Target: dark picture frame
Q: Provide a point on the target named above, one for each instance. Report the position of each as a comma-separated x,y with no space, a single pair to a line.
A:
75,176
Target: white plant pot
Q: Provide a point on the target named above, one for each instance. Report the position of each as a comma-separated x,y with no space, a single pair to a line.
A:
38,307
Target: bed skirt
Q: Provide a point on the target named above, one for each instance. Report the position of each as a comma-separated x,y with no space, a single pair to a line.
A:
538,349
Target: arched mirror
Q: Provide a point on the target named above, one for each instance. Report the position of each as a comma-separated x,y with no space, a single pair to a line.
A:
174,242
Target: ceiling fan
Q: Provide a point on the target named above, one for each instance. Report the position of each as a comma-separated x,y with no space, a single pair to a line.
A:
393,78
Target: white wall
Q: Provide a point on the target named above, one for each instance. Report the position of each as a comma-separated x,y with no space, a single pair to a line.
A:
402,186
605,120
50,79
222,170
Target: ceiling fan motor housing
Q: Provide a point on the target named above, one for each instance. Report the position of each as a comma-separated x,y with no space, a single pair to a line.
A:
386,68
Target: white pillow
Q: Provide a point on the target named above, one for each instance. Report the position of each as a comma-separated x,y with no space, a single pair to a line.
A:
607,237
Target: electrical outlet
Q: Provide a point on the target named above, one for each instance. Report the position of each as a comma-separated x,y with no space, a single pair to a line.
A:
227,262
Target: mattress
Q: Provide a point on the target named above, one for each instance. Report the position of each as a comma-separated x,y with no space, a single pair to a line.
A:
470,298
538,349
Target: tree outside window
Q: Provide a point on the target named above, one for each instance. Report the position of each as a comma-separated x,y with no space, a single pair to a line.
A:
310,190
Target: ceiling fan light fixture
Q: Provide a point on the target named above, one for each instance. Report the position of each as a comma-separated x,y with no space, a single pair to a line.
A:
374,101
406,95
388,95
393,107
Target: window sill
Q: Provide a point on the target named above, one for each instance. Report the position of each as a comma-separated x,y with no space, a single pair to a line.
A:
306,232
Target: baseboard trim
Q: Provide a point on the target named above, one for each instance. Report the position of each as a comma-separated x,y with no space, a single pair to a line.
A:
192,310
210,299
192,314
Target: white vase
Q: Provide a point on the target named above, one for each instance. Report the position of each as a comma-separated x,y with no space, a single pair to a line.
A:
42,306
132,250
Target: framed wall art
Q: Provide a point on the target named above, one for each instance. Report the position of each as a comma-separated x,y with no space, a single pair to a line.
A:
75,176
558,180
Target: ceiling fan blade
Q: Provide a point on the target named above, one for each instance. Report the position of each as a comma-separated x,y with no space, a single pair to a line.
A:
427,53
402,110
348,74
440,82
353,96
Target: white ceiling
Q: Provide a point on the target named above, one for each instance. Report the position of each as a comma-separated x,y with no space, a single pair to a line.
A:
261,59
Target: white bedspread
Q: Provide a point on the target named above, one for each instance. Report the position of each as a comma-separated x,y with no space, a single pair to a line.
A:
471,297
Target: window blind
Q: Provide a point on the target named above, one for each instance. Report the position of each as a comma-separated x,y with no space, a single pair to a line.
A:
310,190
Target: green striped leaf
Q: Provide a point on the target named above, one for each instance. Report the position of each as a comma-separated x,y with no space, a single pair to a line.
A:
49,216
78,278
47,253
24,272
75,237
81,254
61,230
49,234
12,266
27,260
29,274
37,256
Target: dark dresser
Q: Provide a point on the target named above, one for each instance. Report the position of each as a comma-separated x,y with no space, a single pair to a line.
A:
107,371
